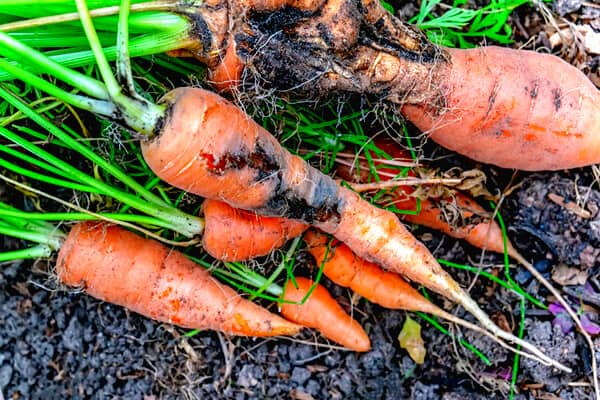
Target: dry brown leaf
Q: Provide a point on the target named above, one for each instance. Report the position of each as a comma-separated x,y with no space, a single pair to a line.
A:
588,36
567,276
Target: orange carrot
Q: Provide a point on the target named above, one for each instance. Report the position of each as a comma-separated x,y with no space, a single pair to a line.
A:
385,288
476,225
322,312
512,108
231,158
228,73
236,235
115,265
365,278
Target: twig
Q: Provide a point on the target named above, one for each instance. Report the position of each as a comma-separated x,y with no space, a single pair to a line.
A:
570,206
364,187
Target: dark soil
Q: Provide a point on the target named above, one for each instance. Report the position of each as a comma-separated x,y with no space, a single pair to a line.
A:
58,344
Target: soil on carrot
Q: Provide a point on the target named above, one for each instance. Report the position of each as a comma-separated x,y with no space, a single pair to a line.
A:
58,344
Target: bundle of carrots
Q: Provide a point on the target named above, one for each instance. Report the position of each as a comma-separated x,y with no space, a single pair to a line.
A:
200,143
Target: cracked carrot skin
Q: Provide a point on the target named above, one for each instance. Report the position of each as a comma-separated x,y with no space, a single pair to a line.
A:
120,267
320,311
232,234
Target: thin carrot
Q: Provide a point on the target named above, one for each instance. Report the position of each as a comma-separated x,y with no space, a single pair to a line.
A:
232,158
475,224
322,312
370,281
228,72
115,265
236,235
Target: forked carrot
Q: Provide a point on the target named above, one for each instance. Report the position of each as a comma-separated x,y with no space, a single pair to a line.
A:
118,266
235,235
322,312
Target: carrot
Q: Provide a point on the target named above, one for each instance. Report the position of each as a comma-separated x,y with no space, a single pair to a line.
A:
227,74
479,230
322,312
230,157
203,144
117,266
235,235
475,225
370,281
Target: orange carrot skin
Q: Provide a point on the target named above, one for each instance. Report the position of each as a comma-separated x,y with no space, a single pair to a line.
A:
367,279
228,73
230,157
476,228
320,311
120,267
515,109
231,234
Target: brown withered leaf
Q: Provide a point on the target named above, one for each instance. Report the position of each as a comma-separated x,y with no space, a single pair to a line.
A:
568,276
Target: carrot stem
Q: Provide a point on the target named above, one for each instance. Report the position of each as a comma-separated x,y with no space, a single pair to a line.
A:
152,205
17,50
34,252
123,60
78,216
139,114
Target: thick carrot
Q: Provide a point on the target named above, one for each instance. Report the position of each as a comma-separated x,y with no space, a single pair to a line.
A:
475,225
322,312
231,234
231,158
118,266
512,108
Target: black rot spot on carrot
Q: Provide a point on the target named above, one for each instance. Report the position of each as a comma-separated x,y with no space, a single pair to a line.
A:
534,90
557,98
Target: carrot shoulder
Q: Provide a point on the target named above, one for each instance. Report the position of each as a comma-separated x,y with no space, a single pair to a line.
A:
320,311
231,234
118,266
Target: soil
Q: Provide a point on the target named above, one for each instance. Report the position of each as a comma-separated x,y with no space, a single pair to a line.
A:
58,344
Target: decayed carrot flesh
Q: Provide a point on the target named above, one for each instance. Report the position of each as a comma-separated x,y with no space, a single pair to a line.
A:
320,311
120,267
